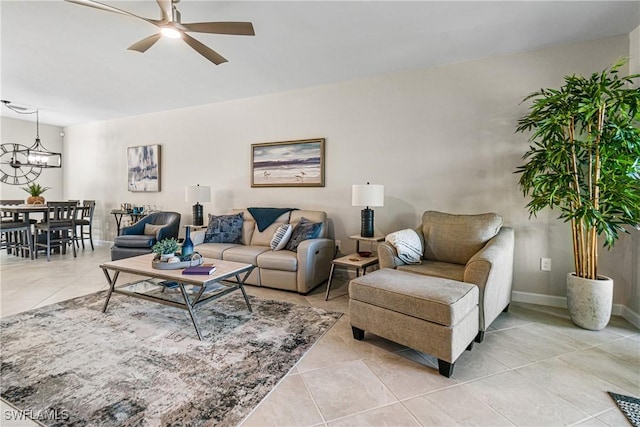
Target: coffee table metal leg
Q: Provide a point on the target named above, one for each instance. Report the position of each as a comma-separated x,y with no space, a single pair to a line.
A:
333,266
190,309
112,285
241,286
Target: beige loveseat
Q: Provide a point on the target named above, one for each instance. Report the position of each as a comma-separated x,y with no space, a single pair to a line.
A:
475,249
298,271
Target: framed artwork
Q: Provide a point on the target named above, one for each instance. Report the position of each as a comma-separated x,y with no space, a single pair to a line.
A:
143,168
288,164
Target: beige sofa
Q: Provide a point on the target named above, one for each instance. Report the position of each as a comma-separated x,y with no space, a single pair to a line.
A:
474,249
299,271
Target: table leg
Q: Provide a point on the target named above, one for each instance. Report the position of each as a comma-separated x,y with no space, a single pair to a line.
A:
241,286
357,272
190,309
118,221
112,285
333,266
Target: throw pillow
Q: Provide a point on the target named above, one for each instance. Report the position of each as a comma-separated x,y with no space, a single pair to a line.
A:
281,237
224,228
152,229
303,231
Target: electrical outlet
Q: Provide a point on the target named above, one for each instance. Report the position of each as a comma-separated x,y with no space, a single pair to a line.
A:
545,264
338,244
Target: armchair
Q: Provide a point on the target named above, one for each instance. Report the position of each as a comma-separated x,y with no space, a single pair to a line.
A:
474,249
137,239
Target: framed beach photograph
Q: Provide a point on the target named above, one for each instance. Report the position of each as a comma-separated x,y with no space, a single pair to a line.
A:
143,168
288,164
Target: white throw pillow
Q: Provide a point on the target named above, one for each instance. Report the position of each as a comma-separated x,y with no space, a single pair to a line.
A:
281,237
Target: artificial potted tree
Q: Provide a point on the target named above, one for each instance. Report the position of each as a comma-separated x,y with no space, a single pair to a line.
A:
35,191
584,160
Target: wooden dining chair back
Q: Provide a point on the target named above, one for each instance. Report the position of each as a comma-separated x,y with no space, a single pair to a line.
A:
85,219
16,238
58,229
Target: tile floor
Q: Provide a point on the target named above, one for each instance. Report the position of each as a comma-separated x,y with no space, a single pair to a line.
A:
534,367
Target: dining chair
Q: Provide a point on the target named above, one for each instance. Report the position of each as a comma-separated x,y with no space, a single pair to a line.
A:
85,219
16,236
57,229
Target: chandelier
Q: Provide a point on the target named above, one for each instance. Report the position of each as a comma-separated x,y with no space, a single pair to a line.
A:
37,155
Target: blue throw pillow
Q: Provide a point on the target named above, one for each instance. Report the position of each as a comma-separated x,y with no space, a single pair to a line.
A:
224,228
303,231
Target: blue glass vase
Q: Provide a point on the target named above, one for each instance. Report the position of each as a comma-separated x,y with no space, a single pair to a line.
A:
187,245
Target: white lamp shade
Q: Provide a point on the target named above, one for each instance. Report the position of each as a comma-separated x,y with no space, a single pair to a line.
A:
197,193
367,195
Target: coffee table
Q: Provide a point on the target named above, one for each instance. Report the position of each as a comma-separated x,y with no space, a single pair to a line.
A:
162,285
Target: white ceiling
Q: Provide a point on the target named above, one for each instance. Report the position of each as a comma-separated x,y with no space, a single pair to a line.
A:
72,61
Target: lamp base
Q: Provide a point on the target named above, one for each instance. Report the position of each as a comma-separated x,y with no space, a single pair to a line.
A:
197,214
366,222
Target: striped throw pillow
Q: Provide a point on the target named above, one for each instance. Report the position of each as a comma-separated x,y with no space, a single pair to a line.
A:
281,237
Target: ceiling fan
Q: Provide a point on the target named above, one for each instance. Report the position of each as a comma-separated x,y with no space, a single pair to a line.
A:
170,25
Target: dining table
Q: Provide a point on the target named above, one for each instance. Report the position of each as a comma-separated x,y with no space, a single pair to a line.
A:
24,210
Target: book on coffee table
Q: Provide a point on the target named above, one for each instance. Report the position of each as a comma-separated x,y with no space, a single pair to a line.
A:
200,269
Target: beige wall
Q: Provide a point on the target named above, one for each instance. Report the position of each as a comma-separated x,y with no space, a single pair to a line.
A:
625,260
441,138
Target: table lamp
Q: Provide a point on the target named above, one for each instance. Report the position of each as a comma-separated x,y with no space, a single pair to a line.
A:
367,195
197,193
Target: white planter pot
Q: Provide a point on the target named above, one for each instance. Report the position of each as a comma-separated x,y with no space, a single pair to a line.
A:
589,301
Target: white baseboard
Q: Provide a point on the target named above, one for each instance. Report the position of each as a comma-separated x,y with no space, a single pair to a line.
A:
539,299
631,316
554,301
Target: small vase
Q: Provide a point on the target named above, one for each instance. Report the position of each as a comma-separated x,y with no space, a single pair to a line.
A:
165,257
187,245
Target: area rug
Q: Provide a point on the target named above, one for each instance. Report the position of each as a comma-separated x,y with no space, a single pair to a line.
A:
141,363
630,407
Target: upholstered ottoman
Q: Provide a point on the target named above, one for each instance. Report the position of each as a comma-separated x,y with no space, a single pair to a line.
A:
430,314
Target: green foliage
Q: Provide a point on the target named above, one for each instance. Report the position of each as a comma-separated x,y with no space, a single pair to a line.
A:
165,246
35,189
584,158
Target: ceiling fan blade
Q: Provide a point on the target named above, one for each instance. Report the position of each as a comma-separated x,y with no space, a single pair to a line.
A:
144,44
203,50
165,7
100,6
234,28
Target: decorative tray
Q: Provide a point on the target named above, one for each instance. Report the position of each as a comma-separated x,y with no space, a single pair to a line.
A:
163,265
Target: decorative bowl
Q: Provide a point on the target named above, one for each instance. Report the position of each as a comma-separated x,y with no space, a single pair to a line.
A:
192,260
364,254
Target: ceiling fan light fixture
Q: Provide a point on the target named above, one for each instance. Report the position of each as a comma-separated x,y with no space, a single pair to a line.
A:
171,32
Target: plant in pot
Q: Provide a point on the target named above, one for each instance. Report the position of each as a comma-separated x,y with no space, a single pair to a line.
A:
584,160
35,190
165,249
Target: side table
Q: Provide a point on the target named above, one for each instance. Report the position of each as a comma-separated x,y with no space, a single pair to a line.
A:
358,238
351,261
119,213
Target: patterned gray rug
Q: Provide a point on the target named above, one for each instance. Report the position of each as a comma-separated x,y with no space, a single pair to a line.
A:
141,363
630,407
